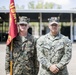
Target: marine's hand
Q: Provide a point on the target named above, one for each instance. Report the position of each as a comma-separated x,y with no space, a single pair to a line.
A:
54,69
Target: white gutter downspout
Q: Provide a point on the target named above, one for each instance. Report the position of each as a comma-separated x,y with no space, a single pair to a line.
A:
71,27
40,24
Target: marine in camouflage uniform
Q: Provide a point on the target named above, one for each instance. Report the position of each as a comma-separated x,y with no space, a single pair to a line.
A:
53,50
24,56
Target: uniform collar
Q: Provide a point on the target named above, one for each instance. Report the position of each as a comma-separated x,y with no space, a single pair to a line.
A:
26,37
58,36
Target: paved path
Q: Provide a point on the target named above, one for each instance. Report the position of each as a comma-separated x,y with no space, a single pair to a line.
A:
71,65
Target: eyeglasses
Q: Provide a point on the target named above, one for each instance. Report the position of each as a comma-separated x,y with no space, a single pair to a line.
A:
54,25
23,24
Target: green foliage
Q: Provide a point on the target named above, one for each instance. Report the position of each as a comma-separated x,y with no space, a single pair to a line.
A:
4,27
20,7
49,5
59,7
42,5
31,5
3,8
39,5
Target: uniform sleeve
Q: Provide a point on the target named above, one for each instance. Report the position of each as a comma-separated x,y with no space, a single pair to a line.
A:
7,65
36,67
41,57
67,56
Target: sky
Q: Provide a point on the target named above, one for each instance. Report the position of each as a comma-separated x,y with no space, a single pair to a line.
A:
65,4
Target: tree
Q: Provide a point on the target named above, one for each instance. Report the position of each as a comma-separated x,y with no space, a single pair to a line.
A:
39,5
20,7
17,6
58,7
31,5
50,5
42,5
3,7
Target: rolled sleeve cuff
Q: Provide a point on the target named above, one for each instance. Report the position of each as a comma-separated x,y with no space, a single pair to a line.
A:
60,66
48,65
7,71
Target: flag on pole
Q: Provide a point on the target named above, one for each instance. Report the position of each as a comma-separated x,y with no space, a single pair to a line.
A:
12,23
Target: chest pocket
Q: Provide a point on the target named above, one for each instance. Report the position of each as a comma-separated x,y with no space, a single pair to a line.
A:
46,50
59,48
29,49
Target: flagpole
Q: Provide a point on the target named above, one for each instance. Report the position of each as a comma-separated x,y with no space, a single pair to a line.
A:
11,60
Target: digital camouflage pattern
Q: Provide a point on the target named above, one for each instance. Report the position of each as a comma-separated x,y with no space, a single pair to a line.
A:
24,56
53,50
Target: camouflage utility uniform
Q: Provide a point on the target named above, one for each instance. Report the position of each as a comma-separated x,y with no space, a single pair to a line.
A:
24,56
53,50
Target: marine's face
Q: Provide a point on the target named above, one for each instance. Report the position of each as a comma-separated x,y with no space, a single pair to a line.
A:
23,27
54,28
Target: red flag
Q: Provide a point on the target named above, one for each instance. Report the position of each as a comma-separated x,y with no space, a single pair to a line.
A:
12,23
